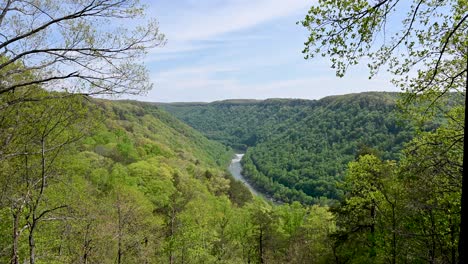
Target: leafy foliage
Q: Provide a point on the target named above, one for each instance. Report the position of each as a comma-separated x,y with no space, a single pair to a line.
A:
142,187
395,212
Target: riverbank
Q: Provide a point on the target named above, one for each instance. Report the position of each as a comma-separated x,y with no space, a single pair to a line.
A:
235,168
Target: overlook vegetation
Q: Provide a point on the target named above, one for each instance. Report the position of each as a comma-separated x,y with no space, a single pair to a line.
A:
137,186
131,184
87,180
298,150
399,188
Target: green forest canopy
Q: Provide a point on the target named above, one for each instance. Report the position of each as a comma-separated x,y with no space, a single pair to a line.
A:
94,181
298,150
131,182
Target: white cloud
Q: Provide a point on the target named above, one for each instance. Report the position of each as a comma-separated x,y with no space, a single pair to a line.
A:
192,22
212,55
201,84
206,22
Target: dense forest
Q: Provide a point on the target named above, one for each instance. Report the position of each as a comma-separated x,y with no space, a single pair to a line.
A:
131,184
298,150
357,178
135,186
237,123
399,187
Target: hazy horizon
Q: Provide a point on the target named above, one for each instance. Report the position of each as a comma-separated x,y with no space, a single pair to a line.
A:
241,99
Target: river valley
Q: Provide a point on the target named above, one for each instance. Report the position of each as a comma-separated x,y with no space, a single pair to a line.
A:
235,168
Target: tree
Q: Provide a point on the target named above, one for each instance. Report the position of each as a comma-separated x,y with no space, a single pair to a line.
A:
369,215
430,172
303,234
29,163
427,53
58,43
133,214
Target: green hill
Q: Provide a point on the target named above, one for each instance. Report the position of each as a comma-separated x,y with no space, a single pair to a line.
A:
96,181
299,149
237,123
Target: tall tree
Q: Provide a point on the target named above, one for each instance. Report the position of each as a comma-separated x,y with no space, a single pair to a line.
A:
29,162
426,50
430,172
368,215
60,42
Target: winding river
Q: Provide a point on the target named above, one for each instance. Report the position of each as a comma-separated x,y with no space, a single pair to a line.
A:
236,168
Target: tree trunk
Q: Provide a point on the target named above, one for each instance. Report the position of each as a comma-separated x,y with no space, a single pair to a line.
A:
260,245
453,248
462,243
16,234
394,242
372,231
32,245
171,234
119,251
86,244
432,250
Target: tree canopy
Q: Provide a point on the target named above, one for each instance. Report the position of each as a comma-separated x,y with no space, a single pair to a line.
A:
297,150
89,47
422,43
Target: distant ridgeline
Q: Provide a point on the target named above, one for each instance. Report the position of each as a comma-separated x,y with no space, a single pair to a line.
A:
298,150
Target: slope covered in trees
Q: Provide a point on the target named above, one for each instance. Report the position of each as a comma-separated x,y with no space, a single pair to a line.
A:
298,150
95,181
237,123
131,184
92,182
390,211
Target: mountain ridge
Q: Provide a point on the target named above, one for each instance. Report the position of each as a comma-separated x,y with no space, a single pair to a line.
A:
327,133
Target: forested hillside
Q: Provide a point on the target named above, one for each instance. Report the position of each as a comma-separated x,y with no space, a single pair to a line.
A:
369,178
298,150
95,181
396,203
237,123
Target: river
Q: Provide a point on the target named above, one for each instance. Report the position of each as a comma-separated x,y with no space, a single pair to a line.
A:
235,168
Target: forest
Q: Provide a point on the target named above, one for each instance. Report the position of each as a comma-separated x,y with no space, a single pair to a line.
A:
298,150
373,177
136,185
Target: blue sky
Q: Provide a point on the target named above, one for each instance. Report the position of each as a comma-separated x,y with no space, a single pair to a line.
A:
231,49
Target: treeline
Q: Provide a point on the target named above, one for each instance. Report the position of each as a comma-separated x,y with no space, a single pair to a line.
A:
237,123
298,150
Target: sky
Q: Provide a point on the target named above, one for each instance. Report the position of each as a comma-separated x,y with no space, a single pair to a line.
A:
239,49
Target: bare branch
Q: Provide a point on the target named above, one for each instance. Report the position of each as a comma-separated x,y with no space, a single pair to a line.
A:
444,47
5,10
43,213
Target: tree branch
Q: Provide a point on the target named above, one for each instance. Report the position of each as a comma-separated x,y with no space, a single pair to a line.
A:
444,47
